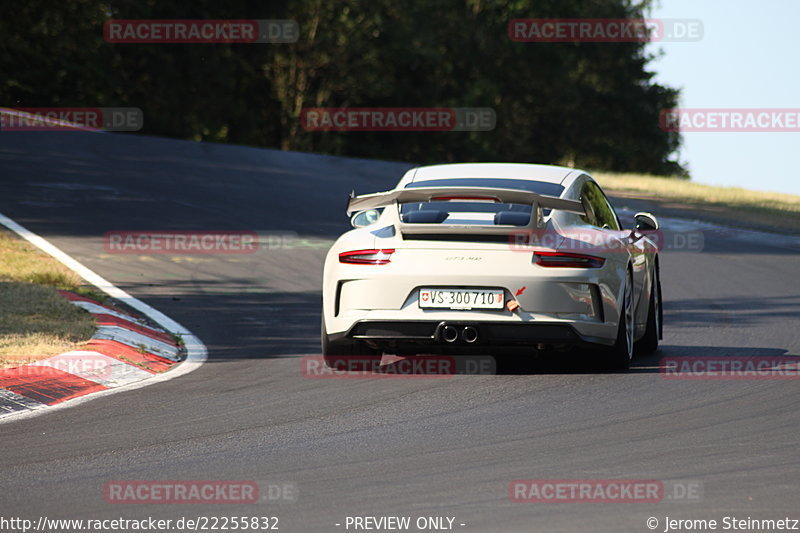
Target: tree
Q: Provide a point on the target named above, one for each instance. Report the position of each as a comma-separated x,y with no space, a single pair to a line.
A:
588,104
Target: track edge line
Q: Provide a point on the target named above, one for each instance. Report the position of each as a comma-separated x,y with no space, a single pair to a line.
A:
196,352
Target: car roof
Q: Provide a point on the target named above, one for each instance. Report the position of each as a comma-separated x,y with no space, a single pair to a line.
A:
521,171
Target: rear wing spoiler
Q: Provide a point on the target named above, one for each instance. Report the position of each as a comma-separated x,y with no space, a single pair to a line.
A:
426,194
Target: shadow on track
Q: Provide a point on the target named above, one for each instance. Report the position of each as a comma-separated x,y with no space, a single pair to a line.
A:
733,310
590,362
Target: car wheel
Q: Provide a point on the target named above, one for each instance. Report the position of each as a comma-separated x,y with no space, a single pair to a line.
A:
348,355
649,343
619,356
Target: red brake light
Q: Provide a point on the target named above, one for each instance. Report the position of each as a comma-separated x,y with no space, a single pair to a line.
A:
366,257
567,260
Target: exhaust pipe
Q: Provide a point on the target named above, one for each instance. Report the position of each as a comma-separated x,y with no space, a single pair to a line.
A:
449,334
469,334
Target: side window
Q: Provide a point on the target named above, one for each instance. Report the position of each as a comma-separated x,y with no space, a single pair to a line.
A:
590,217
610,216
598,211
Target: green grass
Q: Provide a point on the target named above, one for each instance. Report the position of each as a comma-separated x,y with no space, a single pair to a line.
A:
727,205
678,189
35,321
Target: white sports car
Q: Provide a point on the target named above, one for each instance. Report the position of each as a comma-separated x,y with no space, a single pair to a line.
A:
490,258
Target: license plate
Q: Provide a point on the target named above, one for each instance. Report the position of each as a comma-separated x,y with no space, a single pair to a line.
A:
461,298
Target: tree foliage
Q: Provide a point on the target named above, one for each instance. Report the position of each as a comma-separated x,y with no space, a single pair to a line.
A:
591,104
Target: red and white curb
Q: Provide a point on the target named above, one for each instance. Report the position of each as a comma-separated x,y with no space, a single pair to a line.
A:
122,351
125,352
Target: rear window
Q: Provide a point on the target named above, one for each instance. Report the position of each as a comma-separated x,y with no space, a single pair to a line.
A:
539,187
476,212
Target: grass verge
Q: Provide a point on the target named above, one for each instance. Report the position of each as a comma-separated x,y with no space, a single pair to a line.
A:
35,321
766,210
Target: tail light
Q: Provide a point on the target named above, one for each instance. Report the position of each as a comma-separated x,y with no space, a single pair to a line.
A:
366,257
567,260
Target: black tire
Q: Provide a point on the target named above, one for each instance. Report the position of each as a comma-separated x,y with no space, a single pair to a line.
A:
618,357
655,319
348,355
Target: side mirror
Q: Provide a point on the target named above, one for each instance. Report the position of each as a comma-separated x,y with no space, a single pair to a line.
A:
365,218
645,222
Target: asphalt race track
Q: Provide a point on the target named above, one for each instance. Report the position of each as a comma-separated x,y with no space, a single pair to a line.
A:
407,447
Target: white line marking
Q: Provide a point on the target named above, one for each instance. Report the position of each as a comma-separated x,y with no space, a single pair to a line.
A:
195,349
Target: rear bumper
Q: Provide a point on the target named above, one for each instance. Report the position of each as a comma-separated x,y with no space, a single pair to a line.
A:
405,337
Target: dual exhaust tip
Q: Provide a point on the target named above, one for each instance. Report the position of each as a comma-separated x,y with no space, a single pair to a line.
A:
451,334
